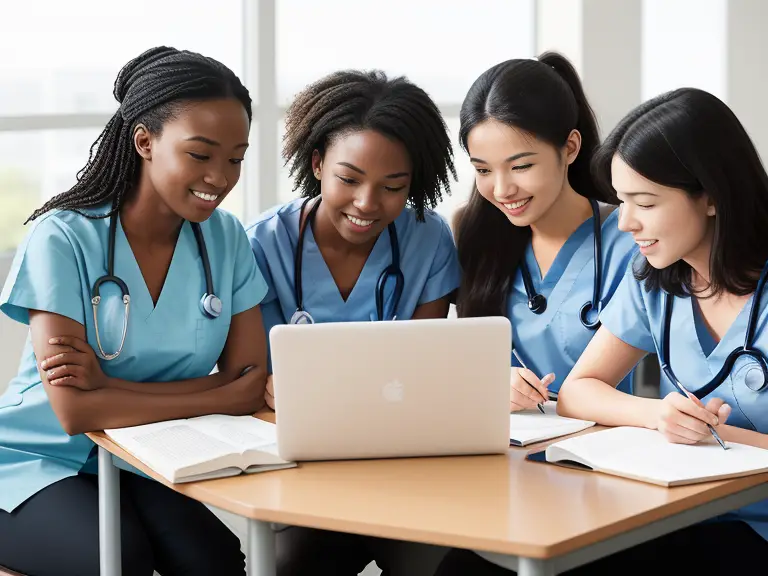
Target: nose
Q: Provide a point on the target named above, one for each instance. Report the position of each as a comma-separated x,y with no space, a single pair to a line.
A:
627,220
504,187
216,178
366,200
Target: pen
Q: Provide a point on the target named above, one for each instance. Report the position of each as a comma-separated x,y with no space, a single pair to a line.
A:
711,428
520,361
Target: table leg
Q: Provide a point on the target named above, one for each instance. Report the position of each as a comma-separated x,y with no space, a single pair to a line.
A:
535,567
109,516
260,549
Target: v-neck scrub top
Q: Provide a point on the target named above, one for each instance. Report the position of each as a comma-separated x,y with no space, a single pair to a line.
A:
54,270
428,261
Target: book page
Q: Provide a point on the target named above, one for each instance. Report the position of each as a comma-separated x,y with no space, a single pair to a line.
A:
176,445
646,455
242,432
529,426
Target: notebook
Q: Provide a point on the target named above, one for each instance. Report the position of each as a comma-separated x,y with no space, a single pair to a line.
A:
645,455
531,426
203,448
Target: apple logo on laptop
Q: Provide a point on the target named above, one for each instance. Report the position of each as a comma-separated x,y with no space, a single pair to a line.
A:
393,391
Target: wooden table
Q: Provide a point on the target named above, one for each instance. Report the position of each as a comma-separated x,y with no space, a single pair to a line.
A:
536,518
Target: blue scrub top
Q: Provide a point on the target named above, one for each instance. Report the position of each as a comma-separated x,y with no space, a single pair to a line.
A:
636,316
554,340
428,261
54,270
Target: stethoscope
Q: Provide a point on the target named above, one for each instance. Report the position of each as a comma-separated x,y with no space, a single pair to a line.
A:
210,304
746,350
301,316
537,303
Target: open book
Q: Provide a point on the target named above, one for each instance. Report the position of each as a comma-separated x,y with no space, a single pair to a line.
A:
202,448
530,426
645,455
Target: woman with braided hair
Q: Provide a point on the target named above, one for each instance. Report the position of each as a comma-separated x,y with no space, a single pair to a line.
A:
371,157
110,279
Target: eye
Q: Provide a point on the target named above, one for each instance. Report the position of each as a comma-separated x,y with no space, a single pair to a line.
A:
482,171
199,157
236,160
394,189
348,181
646,206
521,167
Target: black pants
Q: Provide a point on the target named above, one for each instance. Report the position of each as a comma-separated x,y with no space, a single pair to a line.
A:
56,532
305,552
718,548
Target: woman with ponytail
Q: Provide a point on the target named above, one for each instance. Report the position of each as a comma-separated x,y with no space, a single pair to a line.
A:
526,239
144,213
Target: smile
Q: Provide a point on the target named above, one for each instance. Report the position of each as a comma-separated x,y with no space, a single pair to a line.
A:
206,197
646,243
516,205
359,221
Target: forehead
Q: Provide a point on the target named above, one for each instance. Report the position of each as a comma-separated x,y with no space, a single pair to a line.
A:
370,151
224,121
626,180
492,140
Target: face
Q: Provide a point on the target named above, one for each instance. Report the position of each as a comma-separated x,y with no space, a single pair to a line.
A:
364,180
667,223
194,163
519,174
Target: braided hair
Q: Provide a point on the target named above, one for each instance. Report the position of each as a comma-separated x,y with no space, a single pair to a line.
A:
151,89
350,101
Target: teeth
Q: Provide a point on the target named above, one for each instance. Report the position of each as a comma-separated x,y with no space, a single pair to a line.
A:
646,243
518,204
358,221
204,196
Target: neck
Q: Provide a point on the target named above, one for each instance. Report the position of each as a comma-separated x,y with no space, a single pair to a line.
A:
699,260
146,218
328,237
568,212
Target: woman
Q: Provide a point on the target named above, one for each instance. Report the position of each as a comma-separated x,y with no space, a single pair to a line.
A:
144,213
538,241
371,157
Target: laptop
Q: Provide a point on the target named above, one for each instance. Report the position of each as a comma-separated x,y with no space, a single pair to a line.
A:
406,388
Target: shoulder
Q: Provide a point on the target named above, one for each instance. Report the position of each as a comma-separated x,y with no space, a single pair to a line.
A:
66,226
432,231
283,218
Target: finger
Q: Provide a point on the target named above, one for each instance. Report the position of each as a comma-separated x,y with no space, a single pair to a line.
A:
714,405
532,385
724,413
71,381
675,439
516,397
693,424
64,358
513,407
73,342
64,370
688,406
685,432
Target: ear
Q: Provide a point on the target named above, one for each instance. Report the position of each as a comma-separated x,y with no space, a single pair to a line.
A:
142,141
317,164
711,207
572,146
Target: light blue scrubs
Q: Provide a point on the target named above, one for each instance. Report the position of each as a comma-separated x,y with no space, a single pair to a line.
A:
636,316
428,260
554,340
54,270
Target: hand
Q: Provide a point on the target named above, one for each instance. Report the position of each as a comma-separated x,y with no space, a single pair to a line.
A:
77,367
683,420
526,390
246,391
270,394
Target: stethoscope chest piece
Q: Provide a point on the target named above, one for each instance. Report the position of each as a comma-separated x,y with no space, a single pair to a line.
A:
590,318
211,305
537,304
302,317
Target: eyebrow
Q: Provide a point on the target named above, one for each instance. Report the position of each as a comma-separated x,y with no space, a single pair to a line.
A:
637,193
210,142
510,159
360,171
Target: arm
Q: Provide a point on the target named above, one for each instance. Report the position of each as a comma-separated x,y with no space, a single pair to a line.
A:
589,392
435,309
81,410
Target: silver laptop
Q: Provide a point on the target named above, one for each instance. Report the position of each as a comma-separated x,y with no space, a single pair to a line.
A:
352,390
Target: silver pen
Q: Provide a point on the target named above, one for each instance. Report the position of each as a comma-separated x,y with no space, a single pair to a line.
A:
520,361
